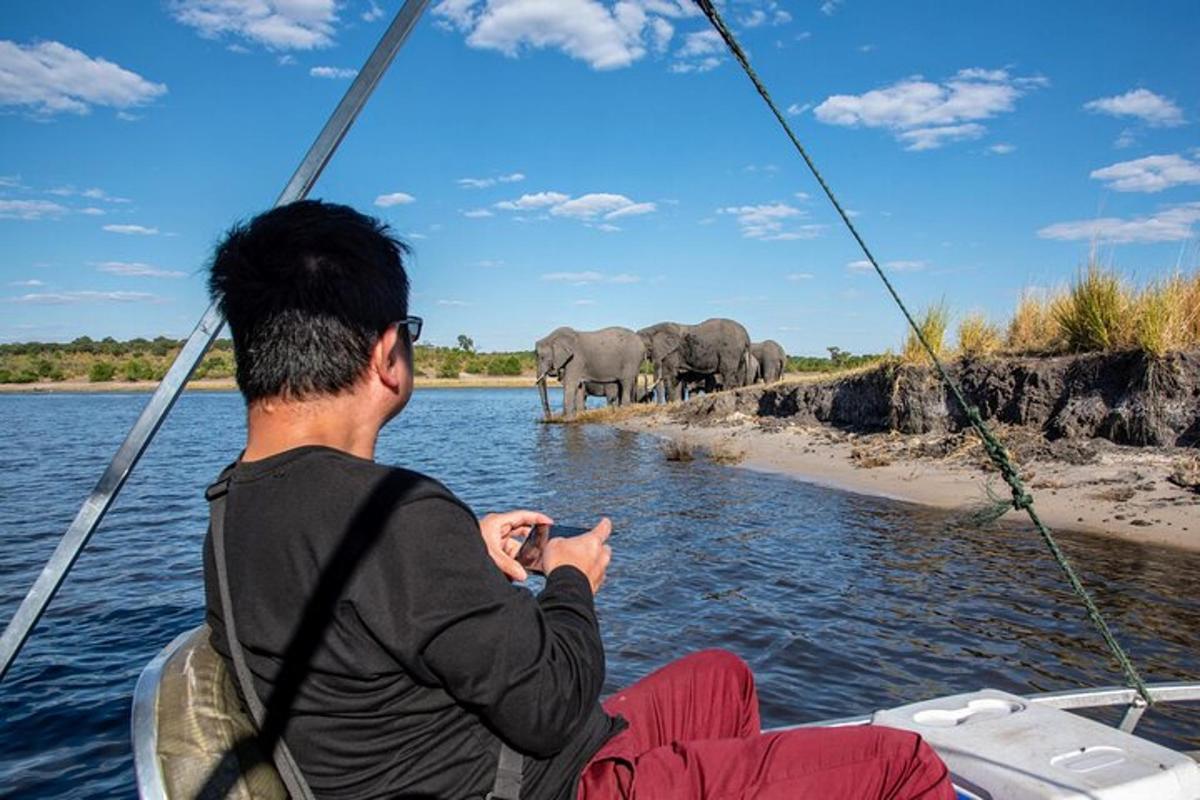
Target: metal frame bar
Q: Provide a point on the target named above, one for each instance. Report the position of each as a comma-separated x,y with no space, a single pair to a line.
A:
138,439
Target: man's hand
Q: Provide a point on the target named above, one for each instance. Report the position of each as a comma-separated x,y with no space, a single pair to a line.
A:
503,534
589,553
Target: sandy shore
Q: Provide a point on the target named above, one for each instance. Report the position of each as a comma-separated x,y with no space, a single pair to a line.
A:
1122,492
227,385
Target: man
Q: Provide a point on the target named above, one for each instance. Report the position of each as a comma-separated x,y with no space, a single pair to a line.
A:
378,616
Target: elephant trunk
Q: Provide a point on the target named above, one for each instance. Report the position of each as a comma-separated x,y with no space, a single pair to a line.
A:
541,384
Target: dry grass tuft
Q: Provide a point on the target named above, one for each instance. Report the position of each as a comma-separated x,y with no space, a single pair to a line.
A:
933,323
680,450
725,453
1164,316
977,336
606,415
1094,313
1032,328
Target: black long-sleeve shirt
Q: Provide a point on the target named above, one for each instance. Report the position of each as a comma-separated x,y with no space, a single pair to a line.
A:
369,609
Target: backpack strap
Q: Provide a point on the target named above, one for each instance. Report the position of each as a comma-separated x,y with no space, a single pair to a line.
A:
289,772
508,775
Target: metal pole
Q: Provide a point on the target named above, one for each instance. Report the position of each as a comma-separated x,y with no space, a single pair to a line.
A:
168,391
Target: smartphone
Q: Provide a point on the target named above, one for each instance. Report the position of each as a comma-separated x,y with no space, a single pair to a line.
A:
530,554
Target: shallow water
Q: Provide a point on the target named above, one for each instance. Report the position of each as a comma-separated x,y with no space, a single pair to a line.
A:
840,603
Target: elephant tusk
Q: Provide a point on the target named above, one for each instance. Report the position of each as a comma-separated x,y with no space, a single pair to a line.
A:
541,377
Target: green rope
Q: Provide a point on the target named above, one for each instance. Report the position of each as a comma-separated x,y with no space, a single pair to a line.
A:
1021,499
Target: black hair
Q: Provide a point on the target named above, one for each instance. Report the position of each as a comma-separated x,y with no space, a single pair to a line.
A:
307,289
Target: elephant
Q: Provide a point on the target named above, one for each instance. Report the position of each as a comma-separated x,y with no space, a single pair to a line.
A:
611,355
686,352
771,360
753,367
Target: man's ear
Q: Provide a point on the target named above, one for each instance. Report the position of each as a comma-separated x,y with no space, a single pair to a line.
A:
388,359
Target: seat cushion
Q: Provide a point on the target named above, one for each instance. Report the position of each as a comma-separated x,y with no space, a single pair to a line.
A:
206,741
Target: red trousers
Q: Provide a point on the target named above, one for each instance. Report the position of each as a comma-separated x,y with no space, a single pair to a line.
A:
694,734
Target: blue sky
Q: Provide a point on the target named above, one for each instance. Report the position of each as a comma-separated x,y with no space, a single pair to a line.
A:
595,163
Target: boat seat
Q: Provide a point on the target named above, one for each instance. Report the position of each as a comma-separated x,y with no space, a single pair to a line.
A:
191,736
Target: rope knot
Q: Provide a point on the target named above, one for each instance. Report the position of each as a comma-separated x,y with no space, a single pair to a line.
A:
1022,500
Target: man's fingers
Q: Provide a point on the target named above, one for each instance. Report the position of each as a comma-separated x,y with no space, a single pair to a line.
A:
510,567
603,530
522,518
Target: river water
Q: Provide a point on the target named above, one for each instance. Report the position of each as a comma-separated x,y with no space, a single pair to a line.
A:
840,603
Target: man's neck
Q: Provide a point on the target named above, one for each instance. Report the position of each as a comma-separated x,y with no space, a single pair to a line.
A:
274,426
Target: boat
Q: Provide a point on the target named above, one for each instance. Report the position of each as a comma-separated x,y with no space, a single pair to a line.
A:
193,738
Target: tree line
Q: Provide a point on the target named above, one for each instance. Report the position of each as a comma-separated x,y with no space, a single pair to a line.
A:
141,359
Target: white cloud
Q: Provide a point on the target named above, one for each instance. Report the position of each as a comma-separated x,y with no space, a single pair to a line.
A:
866,48
800,276
933,138
609,206
1150,174
457,303
92,211
1002,149
586,30
769,222
754,19
134,269
829,7
1155,110
483,183
30,209
584,303
31,283
51,78
584,278
87,296
415,235
275,24
1127,138
373,12
91,194
131,230
796,109
333,73
596,209
489,263
1172,224
477,213
862,265
701,51
394,199
537,200
924,115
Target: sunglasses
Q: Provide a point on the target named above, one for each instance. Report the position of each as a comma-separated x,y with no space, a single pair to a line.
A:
413,324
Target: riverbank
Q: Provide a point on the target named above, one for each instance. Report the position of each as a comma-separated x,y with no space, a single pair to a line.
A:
1107,443
1120,492
228,385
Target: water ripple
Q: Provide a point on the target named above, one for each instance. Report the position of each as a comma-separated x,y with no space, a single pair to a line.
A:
840,603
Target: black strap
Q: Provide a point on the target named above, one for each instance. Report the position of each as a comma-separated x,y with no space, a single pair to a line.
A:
508,775
289,772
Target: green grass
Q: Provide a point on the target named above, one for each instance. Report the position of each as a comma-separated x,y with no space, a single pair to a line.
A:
1093,314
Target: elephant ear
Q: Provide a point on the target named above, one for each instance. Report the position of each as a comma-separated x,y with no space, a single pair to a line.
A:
666,341
562,350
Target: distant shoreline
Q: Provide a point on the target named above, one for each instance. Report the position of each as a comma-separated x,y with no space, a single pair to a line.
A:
228,385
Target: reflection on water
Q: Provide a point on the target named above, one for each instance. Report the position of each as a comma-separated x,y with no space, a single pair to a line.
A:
840,603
